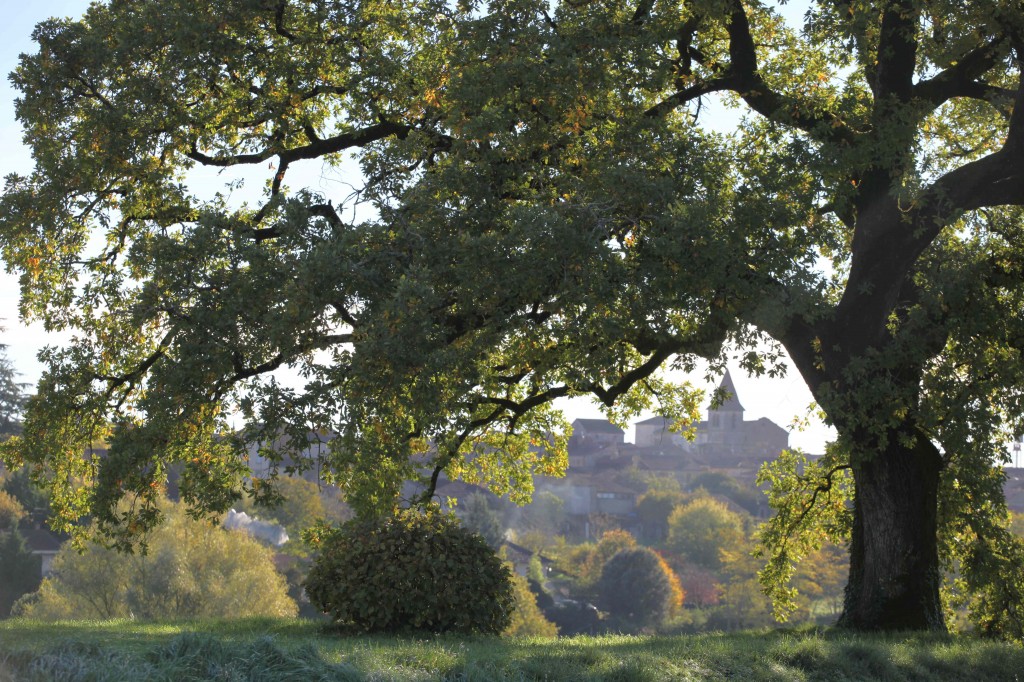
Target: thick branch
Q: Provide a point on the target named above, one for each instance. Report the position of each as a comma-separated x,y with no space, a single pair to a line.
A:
961,79
682,97
897,51
313,150
629,379
279,27
745,80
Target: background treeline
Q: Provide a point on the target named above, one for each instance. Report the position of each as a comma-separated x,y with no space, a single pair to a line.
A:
694,549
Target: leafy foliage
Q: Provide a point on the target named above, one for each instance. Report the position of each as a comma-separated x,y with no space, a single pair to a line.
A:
412,571
479,517
527,618
585,562
12,396
192,570
812,499
654,506
25,492
11,512
636,587
864,217
702,528
19,569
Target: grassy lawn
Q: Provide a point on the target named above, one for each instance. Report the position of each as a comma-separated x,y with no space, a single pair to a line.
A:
300,650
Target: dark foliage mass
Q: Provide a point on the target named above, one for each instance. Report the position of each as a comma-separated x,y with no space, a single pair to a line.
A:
412,571
635,589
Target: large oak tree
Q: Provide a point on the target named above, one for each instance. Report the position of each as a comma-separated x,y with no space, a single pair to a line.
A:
548,211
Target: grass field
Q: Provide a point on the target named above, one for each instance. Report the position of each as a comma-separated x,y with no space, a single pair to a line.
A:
271,650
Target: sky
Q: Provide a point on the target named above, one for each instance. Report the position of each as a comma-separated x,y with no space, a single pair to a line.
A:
783,400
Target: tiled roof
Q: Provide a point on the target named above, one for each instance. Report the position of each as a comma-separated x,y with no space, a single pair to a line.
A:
598,426
40,541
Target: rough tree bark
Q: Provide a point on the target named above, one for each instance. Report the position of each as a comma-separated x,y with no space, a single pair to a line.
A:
894,563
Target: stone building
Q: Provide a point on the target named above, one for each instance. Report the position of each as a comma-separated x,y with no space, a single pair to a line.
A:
723,440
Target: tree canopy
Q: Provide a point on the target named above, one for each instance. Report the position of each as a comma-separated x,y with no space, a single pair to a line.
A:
548,210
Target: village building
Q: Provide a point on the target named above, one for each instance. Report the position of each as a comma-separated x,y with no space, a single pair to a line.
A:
724,440
597,486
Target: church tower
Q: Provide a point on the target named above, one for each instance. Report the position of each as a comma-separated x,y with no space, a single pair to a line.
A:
729,415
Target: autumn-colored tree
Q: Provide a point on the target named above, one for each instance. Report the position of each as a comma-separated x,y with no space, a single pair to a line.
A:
865,217
527,618
820,581
743,604
11,512
611,543
703,587
636,587
702,528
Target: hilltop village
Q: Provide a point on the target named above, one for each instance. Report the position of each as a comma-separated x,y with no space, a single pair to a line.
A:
606,475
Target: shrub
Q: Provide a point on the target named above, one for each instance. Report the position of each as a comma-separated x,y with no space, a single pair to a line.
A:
411,571
192,570
636,588
19,570
527,618
583,563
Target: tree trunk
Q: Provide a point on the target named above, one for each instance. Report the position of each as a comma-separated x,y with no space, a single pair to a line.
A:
894,563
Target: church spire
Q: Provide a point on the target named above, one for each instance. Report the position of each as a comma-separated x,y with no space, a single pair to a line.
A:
731,403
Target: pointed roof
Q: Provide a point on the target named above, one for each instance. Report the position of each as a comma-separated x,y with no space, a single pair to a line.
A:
732,401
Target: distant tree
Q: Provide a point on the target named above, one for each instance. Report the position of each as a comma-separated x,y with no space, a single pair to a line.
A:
743,604
611,543
299,507
19,569
30,496
724,485
527,618
11,511
654,507
546,513
678,592
12,396
1017,524
636,588
702,528
335,509
820,580
478,516
192,570
573,560
703,587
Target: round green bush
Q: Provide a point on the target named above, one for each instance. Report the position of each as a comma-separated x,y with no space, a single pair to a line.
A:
414,571
635,589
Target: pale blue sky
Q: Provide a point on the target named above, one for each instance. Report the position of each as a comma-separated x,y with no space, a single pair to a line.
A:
781,400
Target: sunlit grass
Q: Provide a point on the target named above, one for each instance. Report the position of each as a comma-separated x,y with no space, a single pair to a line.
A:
269,649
